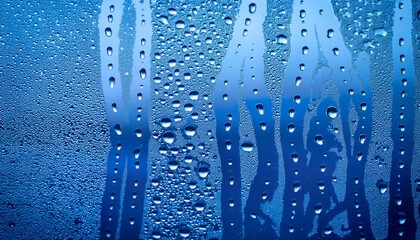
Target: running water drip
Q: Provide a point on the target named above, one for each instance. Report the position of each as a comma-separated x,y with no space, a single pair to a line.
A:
401,220
244,62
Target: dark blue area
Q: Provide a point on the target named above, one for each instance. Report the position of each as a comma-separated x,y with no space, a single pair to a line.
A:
266,180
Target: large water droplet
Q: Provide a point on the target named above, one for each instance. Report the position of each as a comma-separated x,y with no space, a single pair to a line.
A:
203,169
382,186
108,32
168,137
247,146
332,112
281,39
184,231
180,24
319,140
190,131
252,8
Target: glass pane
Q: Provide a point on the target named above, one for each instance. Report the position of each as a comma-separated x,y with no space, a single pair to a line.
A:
209,119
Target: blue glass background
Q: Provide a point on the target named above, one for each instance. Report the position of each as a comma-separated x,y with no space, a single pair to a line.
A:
59,134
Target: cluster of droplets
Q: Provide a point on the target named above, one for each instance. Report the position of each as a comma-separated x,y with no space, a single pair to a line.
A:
188,45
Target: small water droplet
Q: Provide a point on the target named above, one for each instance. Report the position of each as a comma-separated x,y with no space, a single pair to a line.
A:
330,33
296,187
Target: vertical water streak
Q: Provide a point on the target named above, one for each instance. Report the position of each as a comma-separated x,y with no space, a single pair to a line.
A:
244,62
257,223
109,24
296,91
138,131
316,30
402,224
355,96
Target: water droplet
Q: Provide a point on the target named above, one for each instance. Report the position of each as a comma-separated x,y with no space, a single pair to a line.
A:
180,24
228,20
184,231
319,140
200,205
203,169
291,112
108,32
168,137
109,51
117,129
318,208
362,138
172,63
330,33
382,186
193,95
332,112
296,187
398,199
291,128
252,8
165,122
247,21
172,11
260,109
143,73
164,20
247,146
173,164
111,82
190,131
295,157
305,50
401,217
281,39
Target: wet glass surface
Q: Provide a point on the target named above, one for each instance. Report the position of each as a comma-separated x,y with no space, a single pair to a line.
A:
210,119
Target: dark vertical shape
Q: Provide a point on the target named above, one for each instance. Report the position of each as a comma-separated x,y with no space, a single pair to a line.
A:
244,62
109,24
110,209
295,99
321,143
359,93
228,144
316,32
226,107
256,222
402,224
353,82
138,132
